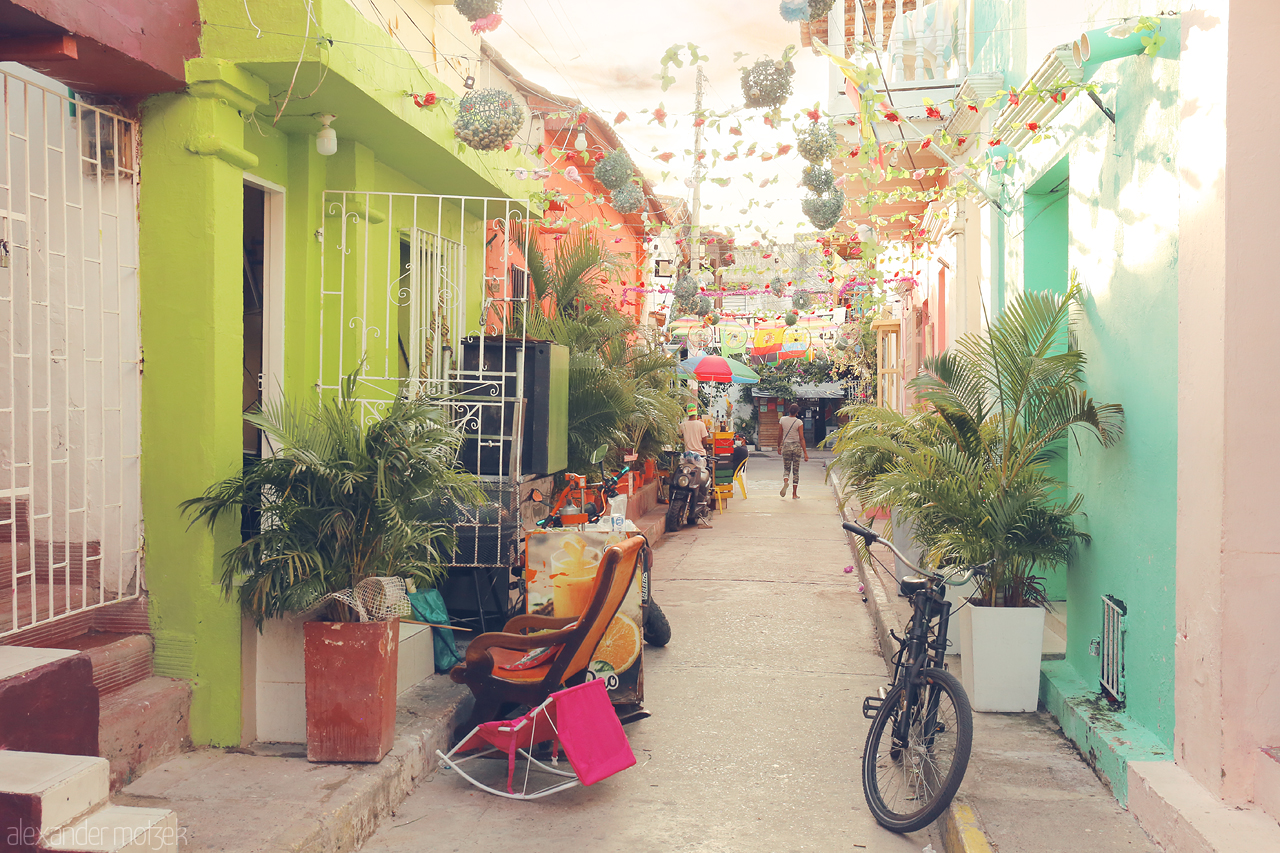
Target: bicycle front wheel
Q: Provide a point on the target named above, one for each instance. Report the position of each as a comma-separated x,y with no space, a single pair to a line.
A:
909,779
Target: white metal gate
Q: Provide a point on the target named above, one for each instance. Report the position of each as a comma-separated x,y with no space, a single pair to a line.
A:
1111,648
70,396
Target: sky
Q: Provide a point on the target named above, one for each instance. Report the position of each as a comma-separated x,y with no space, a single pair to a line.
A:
606,55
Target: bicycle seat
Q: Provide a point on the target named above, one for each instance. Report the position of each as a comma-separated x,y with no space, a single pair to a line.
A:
914,584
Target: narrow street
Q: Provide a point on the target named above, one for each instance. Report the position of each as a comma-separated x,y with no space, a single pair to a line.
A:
756,733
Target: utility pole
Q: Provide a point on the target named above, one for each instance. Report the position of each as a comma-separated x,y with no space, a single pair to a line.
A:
695,251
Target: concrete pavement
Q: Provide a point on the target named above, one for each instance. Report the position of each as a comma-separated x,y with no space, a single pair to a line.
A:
756,734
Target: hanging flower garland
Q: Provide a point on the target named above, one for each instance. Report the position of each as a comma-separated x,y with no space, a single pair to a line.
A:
767,83
488,119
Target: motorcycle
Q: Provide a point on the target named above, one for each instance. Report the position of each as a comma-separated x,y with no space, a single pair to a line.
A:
688,494
564,512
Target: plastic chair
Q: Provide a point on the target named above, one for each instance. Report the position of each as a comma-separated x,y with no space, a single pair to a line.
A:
488,666
579,718
724,491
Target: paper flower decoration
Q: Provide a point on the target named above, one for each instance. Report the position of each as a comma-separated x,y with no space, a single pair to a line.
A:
767,83
488,119
794,11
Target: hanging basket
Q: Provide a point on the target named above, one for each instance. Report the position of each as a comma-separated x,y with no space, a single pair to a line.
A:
820,8
615,170
629,199
818,179
474,10
767,83
685,288
488,119
818,142
802,301
824,211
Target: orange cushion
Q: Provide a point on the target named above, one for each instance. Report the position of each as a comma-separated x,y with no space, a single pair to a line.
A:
503,658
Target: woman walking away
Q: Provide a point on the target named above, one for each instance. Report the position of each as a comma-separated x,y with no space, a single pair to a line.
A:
791,446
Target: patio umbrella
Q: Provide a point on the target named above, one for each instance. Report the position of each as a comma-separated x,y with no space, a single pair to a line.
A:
714,368
708,368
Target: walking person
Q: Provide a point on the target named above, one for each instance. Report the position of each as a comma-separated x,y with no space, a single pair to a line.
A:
791,446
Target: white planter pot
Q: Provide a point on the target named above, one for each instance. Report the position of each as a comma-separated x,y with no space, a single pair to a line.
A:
1000,650
904,540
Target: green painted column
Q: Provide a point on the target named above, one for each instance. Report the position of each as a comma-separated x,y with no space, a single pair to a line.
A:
193,159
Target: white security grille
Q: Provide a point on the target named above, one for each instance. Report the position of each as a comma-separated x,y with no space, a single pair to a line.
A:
70,422
394,294
1111,648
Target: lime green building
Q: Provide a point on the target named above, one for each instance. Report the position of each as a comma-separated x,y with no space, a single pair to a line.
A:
271,267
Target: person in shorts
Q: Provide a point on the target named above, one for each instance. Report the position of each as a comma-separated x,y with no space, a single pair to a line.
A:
791,446
694,432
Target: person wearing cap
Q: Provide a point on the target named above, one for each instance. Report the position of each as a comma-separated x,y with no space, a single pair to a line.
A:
695,435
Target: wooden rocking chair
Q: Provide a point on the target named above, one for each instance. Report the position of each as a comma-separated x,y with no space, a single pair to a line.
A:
487,668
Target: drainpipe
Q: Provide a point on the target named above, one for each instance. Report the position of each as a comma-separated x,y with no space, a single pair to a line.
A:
1096,47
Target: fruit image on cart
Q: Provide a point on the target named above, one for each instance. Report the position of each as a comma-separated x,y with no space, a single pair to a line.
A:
560,570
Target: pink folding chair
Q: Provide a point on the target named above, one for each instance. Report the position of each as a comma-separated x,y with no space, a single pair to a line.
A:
580,719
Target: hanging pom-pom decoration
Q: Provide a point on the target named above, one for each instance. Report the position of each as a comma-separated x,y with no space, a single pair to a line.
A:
818,142
488,119
615,170
794,11
629,199
824,211
791,319
767,83
818,179
474,10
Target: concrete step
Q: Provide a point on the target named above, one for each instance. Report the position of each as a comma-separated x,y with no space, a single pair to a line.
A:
44,791
116,829
119,660
143,725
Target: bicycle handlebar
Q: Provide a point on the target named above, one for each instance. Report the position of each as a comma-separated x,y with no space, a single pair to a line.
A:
958,577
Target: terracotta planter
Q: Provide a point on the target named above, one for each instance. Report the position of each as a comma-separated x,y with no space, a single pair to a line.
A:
1000,649
351,689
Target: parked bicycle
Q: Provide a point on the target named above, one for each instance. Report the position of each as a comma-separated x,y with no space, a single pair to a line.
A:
921,732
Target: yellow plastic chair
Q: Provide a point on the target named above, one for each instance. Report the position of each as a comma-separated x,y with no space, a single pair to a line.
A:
724,491
740,479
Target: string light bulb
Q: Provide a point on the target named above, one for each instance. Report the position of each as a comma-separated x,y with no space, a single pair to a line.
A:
581,142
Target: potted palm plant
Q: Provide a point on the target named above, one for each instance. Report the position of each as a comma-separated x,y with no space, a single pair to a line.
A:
972,473
343,499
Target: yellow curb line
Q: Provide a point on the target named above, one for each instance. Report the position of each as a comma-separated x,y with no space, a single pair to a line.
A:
961,832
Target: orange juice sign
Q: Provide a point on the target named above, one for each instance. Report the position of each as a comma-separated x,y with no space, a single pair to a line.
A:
560,572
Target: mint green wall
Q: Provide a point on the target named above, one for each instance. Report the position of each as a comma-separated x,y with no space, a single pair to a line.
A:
1045,238
197,149
1118,228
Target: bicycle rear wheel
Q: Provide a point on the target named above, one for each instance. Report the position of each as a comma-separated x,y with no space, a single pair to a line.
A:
908,783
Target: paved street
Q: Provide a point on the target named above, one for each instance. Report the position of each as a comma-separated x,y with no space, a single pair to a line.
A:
756,733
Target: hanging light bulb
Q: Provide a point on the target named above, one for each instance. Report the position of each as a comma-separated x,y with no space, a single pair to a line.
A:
581,142
327,138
